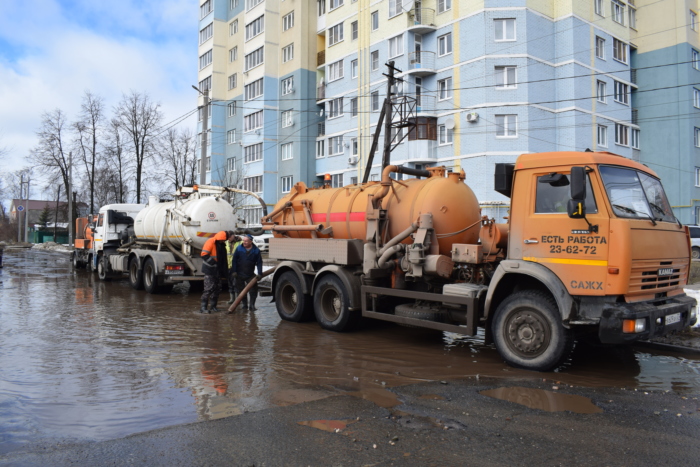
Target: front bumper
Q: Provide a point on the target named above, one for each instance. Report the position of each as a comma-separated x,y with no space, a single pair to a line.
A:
610,329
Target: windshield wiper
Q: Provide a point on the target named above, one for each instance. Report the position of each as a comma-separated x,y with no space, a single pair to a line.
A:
633,211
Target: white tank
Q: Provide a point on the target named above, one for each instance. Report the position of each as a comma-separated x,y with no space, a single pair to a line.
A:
194,220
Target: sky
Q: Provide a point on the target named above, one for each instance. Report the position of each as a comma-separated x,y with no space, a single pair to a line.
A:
52,51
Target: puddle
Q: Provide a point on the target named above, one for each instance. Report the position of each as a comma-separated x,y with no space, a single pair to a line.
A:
544,400
382,397
328,425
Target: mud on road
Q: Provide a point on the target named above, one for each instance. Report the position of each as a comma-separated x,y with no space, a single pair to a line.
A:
85,361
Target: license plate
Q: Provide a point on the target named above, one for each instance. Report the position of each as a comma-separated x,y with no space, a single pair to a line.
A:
174,272
672,319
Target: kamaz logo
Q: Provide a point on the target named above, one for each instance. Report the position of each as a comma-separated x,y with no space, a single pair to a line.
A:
665,271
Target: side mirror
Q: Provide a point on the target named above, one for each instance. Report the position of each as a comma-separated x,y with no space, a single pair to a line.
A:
578,183
576,209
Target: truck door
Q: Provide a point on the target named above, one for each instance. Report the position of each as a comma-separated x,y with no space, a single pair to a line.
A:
575,253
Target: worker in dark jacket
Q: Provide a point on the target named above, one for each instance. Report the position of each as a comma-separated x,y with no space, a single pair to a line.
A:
245,259
214,268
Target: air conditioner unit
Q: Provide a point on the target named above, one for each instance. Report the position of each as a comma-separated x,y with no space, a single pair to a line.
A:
472,117
352,160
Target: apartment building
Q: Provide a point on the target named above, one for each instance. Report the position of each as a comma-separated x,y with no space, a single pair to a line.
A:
257,62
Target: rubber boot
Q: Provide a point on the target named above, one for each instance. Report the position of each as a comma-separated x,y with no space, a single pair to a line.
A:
252,304
244,304
233,298
213,308
203,308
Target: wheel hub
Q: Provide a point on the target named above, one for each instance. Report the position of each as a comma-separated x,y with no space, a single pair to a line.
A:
527,333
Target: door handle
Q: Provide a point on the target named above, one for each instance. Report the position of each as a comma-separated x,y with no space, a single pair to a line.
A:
529,241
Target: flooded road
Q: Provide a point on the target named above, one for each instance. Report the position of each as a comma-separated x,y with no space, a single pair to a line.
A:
83,359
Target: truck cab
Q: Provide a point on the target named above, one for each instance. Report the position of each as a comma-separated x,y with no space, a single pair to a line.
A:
112,220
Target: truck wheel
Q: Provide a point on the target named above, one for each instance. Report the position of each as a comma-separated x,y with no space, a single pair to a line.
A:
529,334
135,275
292,304
150,277
695,254
89,267
332,305
76,263
103,268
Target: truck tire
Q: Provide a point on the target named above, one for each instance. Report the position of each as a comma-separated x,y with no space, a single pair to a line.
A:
135,275
695,253
77,264
150,277
103,269
332,305
292,304
528,332
89,267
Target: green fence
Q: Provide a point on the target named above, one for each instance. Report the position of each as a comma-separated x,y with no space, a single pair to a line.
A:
43,237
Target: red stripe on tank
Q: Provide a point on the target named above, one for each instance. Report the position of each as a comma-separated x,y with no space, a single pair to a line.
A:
338,217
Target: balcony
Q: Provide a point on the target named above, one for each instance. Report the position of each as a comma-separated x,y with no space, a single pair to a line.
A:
425,104
321,58
320,92
421,63
421,20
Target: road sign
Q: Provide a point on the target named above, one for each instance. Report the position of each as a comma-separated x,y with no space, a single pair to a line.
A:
20,208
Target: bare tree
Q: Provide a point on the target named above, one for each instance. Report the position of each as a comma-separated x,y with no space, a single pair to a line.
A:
116,161
50,153
177,157
140,119
88,130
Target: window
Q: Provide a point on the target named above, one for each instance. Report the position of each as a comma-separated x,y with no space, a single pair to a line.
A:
507,126
425,129
375,101
321,4
255,27
231,136
337,180
633,17
621,93
445,89
254,58
252,216
287,118
335,107
505,29
287,53
254,89
445,135
201,112
205,8
231,164
375,20
205,59
693,21
333,4
335,71
233,54
696,98
618,11
354,31
505,77
396,46
551,199
634,138
353,68
598,7
621,134
287,151
206,33
287,184
695,55
232,81
601,91
444,5
335,145
233,28
602,136
288,85
252,3
205,84
209,164
395,8
445,44
619,51
335,34
232,109
253,184
353,107
288,21
253,153
232,4
600,47
320,149
697,171
253,121
353,146
375,60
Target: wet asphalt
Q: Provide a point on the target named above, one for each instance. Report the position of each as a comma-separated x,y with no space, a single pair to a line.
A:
95,373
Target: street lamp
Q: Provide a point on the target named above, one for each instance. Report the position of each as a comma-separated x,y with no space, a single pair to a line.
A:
205,126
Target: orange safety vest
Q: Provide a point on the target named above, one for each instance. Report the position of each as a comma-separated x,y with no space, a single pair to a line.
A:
210,245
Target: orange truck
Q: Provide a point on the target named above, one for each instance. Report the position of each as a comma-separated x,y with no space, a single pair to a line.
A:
591,250
84,242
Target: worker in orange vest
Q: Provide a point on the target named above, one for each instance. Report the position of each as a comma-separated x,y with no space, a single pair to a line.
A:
214,267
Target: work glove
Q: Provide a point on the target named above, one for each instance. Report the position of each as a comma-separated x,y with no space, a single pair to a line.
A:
259,277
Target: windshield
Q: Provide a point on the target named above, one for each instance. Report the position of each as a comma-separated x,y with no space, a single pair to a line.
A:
635,194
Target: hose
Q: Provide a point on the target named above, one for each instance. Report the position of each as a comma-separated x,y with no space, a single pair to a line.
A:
399,238
389,253
245,290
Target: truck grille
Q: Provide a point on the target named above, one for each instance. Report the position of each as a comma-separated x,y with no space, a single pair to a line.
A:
645,278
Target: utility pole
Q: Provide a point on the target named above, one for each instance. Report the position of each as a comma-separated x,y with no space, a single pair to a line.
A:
205,129
69,192
19,221
26,214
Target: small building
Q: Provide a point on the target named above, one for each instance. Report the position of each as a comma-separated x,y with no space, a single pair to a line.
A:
35,207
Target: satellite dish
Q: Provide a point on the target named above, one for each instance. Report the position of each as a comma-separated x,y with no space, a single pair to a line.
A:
407,5
320,113
450,123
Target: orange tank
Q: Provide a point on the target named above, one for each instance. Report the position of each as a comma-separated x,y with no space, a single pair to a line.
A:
452,203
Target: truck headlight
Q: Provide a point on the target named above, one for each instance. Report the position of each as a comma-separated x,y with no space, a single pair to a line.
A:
634,326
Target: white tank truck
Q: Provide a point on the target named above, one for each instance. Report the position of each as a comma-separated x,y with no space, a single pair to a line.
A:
161,246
